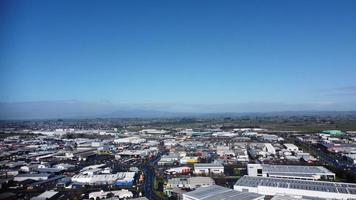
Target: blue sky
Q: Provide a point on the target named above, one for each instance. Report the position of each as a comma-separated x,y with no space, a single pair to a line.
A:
178,53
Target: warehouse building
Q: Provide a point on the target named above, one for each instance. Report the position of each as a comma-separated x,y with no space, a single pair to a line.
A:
351,158
274,186
333,132
291,147
189,160
121,194
178,170
168,159
132,140
35,177
269,149
119,179
208,168
299,197
290,171
216,192
190,183
47,195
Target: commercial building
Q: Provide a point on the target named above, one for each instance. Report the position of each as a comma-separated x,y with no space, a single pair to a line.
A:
340,147
290,171
351,158
299,197
119,179
224,150
333,132
208,168
318,189
186,183
269,137
132,140
47,195
189,160
291,147
216,192
178,170
242,155
269,149
168,159
224,134
35,177
153,131
122,194
135,153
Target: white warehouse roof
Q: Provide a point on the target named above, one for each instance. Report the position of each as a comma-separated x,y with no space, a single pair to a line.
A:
272,186
216,192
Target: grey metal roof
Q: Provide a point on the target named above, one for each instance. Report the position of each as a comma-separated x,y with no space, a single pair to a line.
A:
286,197
290,174
208,165
216,192
297,169
323,186
33,175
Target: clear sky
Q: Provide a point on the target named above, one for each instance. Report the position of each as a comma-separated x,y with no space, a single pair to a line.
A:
196,52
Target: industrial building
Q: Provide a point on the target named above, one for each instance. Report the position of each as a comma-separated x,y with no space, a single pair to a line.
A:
132,140
119,179
299,197
290,171
291,147
189,160
208,168
351,158
178,170
122,194
186,183
333,132
216,192
269,149
35,177
318,189
168,159
47,195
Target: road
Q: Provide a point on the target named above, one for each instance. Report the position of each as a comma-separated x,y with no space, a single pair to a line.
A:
326,158
149,178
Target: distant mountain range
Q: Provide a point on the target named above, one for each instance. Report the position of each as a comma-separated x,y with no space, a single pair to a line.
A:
77,109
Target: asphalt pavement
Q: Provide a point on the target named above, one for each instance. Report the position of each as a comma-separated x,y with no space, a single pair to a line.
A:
148,169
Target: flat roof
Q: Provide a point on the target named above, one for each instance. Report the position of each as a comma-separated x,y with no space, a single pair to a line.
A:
45,195
289,145
289,197
33,175
298,169
105,177
209,165
323,186
291,175
218,192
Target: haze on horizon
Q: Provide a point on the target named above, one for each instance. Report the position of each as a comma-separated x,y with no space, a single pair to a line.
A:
83,57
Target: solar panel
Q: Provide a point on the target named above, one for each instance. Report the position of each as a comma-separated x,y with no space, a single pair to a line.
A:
342,190
297,184
352,191
283,185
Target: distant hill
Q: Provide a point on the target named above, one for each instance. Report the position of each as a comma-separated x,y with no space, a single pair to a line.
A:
77,109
